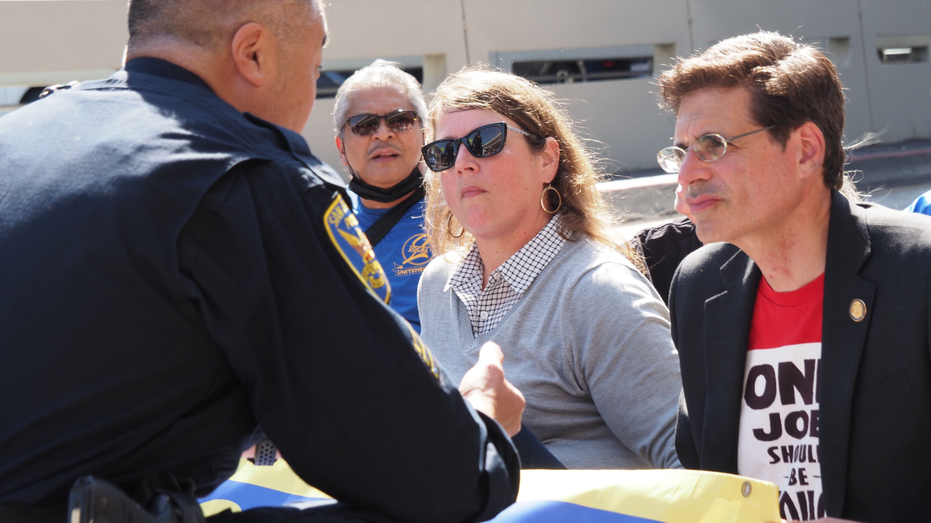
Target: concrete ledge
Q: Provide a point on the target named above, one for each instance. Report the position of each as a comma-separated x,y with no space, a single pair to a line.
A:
642,199
891,165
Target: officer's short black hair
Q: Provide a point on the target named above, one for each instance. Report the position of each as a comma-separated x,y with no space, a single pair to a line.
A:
210,23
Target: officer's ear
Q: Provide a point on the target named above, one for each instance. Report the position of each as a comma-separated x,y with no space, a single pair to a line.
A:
342,150
253,53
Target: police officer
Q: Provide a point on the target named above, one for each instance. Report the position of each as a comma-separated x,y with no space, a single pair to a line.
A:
177,268
379,114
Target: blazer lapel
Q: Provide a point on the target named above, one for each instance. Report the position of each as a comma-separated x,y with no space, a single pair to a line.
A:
727,329
842,341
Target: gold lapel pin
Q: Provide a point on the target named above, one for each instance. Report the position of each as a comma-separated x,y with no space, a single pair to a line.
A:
857,310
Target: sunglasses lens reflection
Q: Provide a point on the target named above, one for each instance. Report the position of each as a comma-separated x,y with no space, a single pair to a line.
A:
441,155
398,122
483,142
364,125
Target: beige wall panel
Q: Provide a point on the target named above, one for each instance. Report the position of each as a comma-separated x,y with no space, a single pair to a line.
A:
624,117
623,114
517,25
372,28
813,21
61,36
900,94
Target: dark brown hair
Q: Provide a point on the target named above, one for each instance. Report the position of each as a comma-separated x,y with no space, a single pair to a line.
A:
789,84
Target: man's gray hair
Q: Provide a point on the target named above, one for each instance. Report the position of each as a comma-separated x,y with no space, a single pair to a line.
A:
380,73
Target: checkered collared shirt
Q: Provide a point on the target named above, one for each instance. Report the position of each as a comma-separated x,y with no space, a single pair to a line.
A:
507,283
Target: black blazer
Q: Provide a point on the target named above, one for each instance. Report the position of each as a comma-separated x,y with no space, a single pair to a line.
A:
875,375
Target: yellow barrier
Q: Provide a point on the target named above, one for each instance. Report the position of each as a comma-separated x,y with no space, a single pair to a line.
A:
667,496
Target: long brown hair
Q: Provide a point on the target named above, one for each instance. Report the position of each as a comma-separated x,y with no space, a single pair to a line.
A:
536,110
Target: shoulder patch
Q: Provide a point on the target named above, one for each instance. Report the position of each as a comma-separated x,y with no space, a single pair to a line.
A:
352,244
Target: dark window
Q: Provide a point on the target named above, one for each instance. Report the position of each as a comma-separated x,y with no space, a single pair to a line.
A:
329,81
31,95
569,71
903,55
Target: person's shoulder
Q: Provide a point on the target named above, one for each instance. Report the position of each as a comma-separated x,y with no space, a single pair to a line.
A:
903,232
709,257
600,288
440,269
700,273
584,254
681,229
878,214
592,266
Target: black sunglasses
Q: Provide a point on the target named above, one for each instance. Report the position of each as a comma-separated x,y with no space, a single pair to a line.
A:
399,121
487,140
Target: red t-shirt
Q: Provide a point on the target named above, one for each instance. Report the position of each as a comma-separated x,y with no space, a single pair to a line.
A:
779,411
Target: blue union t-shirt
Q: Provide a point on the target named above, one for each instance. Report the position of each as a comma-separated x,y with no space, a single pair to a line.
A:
403,253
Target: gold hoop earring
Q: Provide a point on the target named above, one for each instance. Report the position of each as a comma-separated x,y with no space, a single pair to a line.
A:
449,229
543,199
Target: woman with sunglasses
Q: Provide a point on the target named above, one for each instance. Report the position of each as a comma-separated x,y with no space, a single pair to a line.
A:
530,263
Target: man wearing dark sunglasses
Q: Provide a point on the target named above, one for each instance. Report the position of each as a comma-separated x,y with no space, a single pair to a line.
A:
803,328
379,117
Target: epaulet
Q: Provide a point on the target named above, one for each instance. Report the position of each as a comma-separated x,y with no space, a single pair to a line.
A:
55,88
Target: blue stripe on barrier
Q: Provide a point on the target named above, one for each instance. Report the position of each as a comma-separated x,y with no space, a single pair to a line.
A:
560,512
249,496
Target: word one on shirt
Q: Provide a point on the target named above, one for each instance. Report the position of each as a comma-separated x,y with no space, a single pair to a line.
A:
779,414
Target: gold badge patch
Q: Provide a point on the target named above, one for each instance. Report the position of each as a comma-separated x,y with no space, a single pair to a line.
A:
343,229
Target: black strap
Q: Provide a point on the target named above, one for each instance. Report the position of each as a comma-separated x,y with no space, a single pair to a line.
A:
383,225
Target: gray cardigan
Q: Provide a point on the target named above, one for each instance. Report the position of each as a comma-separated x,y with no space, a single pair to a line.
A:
588,345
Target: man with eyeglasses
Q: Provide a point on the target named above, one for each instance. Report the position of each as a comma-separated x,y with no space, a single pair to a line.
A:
379,117
803,329
181,270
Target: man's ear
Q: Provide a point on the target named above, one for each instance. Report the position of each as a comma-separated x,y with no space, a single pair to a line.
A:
252,52
810,149
550,159
342,151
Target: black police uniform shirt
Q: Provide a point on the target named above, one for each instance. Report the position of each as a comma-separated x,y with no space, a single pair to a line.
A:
173,273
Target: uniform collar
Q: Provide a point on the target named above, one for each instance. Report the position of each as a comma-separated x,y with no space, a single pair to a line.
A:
164,69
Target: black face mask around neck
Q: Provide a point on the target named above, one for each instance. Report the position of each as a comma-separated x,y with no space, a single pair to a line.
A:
395,192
